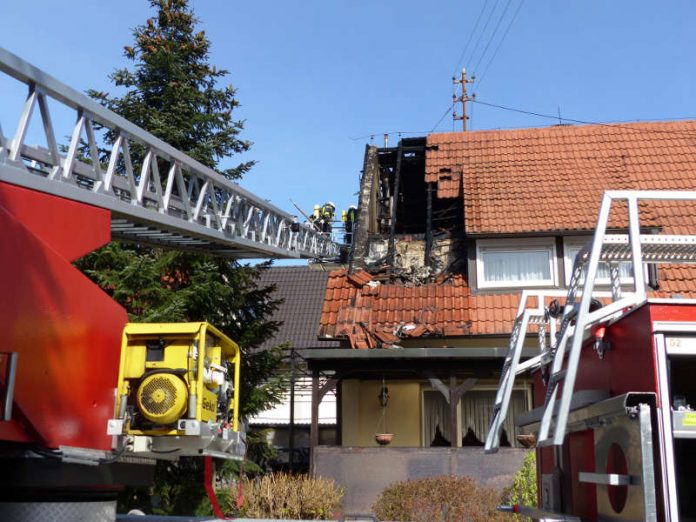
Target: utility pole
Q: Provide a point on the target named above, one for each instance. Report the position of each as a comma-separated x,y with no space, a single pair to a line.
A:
464,81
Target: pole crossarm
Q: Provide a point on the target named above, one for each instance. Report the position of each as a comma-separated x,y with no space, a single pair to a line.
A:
157,195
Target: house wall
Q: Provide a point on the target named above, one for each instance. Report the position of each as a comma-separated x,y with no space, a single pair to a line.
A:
362,413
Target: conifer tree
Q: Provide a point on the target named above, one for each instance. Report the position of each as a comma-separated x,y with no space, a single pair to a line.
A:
173,91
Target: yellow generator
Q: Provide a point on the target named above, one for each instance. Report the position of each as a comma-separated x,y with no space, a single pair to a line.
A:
178,392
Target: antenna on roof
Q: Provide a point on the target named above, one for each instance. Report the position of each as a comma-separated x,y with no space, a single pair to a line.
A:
463,98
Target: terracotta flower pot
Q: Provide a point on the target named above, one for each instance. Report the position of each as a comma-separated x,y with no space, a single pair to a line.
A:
383,438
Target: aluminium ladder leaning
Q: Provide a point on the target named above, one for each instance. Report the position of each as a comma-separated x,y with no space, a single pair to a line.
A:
577,317
548,324
538,315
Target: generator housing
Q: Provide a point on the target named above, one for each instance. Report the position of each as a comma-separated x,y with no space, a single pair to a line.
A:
178,392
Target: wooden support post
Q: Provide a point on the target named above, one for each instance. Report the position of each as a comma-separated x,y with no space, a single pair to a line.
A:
453,404
314,428
339,414
291,426
452,394
318,393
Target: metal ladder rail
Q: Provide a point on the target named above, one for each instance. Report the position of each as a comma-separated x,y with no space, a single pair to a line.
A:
584,318
511,363
507,379
187,206
512,367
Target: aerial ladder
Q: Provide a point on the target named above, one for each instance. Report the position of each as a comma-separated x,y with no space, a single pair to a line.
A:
89,402
614,428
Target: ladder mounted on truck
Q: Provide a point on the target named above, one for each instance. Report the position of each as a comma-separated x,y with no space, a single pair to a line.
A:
570,325
159,196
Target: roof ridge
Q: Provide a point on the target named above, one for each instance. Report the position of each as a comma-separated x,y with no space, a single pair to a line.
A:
564,127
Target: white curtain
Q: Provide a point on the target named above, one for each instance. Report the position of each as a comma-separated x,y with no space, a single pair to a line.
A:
625,271
435,414
476,413
520,265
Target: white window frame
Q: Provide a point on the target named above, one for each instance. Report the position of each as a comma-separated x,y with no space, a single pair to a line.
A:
575,242
547,244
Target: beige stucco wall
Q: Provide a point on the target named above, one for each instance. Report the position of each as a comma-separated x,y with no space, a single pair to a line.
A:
362,413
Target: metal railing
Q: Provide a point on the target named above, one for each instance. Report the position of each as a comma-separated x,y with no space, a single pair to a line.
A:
157,194
577,315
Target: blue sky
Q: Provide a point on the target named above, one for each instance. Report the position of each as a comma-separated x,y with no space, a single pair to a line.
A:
314,75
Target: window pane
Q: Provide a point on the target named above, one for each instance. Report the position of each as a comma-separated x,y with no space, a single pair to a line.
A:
521,265
625,271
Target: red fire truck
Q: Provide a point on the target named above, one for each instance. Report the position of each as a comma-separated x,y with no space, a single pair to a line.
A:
78,422
615,379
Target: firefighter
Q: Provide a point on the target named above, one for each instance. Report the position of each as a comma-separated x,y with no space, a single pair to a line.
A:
327,215
314,219
348,217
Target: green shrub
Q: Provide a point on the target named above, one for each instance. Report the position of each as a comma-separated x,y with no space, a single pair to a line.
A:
280,495
524,485
444,499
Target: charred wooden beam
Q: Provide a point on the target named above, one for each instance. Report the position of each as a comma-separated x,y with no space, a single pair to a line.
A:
366,217
391,248
429,227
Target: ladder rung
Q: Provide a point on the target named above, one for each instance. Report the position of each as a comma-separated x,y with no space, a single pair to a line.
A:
547,442
557,377
655,248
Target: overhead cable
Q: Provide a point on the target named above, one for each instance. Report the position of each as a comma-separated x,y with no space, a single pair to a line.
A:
483,31
471,36
586,122
449,109
495,31
495,53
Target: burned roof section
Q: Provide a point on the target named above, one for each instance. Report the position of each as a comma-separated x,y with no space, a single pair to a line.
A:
403,224
425,204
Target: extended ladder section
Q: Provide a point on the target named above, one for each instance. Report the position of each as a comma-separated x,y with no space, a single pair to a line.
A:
531,311
582,309
157,195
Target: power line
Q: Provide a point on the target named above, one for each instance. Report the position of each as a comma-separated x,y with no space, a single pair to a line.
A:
586,122
483,31
495,31
471,117
442,118
471,36
495,53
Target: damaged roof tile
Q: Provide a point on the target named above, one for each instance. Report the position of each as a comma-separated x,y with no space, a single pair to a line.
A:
514,182
432,307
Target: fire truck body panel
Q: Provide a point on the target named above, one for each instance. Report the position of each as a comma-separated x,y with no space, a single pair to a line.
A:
616,444
64,330
615,429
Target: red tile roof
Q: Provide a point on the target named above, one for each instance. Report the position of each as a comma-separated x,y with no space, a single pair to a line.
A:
363,311
550,179
519,182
